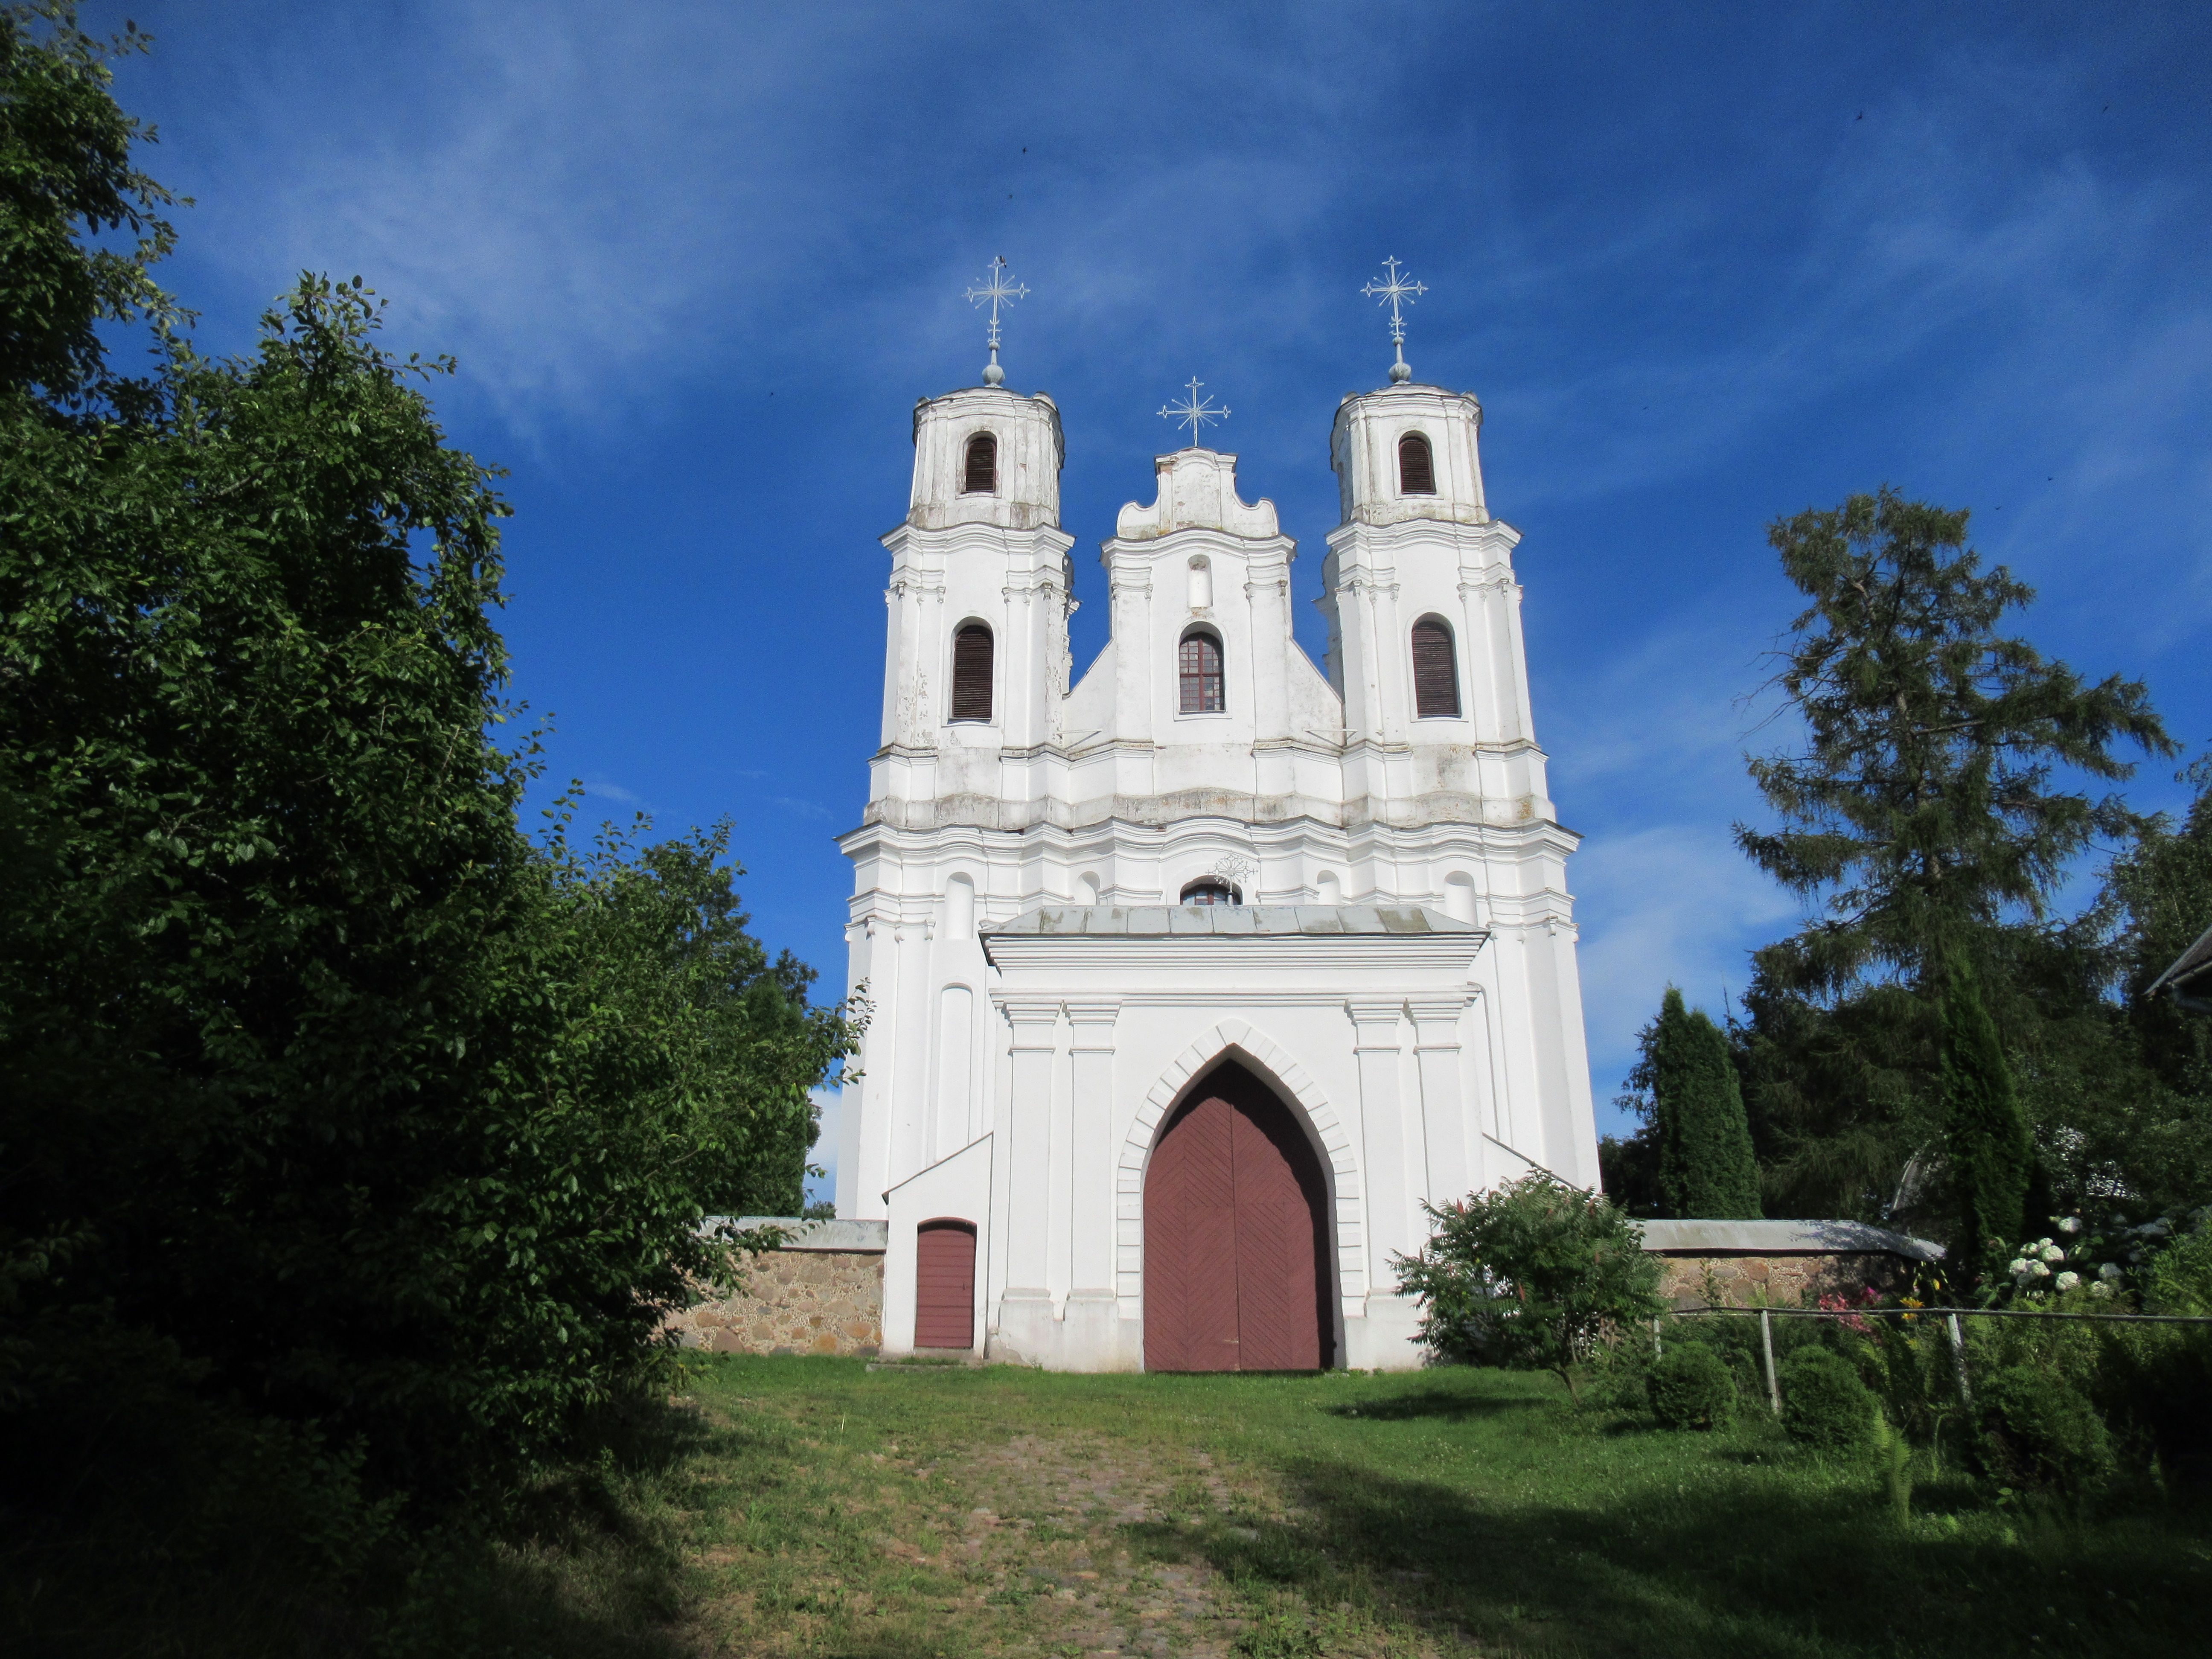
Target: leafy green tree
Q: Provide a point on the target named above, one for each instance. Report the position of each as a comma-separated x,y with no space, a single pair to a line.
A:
1687,1082
1986,1136
1532,1275
328,1099
1927,809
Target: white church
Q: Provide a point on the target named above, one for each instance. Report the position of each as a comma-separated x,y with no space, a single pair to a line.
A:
1193,977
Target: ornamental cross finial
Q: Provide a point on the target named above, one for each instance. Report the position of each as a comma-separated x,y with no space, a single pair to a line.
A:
1397,293
999,291
1195,412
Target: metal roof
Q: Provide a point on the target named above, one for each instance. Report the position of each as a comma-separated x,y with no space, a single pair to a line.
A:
1782,1238
1156,920
2192,963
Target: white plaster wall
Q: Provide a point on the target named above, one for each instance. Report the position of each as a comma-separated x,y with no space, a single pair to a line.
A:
1326,787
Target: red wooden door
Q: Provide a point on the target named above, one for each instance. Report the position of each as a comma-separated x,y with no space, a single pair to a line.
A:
1236,1240
945,1284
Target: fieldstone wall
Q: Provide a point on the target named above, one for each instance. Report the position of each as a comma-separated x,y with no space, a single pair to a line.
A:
1778,1281
822,1293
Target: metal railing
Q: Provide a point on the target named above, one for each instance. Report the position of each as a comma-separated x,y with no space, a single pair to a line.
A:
1950,1316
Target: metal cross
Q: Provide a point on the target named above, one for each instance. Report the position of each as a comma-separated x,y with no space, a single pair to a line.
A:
1397,291
1195,412
999,291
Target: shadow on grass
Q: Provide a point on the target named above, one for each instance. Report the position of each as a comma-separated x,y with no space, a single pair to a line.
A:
585,1562
1718,1568
1438,1403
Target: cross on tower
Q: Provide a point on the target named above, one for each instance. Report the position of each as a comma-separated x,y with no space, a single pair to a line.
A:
997,290
1195,412
1396,292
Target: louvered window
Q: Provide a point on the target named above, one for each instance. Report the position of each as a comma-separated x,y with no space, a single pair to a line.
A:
1201,671
1417,472
971,672
1436,670
980,476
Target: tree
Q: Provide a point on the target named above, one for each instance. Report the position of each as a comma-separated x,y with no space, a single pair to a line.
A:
1924,812
1532,1275
1986,1136
1687,1082
331,1103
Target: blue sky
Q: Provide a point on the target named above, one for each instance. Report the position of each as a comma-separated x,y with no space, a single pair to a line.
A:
1704,266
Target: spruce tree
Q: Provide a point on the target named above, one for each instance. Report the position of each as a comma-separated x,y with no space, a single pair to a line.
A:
1705,1164
1991,1155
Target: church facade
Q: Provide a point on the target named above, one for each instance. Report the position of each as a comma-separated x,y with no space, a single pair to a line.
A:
1192,979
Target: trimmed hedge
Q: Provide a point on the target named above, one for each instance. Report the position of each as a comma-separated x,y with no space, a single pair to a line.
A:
1690,1388
1823,1401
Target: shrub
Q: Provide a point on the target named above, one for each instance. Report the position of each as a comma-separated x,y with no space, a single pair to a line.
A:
1691,1388
1531,1275
1823,1401
2038,1433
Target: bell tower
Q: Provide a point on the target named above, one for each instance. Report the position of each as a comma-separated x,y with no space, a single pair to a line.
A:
1425,614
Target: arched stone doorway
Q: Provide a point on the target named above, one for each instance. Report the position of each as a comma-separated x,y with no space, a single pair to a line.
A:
1237,1236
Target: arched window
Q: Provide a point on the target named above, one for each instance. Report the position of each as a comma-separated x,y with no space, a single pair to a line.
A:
1210,890
971,672
1435,671
1199,667
981,476
1417,471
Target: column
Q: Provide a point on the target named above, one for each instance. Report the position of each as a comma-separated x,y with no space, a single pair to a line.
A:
1383,1119
876,1103
1445,1126
1091,1209
1090,1334
1029,1157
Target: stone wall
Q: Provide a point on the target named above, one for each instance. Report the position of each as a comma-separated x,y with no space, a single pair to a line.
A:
822,1293
1783,1264
1777,1281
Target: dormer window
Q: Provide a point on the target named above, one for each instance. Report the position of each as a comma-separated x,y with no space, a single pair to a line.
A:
1417,471
971,673
980,476
1210,890
1202,684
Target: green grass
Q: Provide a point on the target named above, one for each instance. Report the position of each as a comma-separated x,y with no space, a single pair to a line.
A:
1444,1511
813,1507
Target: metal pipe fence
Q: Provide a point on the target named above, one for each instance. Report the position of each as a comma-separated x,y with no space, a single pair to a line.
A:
1949,1316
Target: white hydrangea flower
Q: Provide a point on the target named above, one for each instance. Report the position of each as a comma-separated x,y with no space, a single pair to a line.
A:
2017,1267
2066,1281
2052,1253
2109,1271
2071,1225
2100,1288
2039,1270
2043,1243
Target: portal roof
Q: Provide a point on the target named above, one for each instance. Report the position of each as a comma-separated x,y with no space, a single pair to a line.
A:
1148,920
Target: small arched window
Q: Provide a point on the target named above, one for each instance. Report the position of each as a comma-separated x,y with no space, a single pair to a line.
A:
980,476
1199,669
1210,890
1417,471
971,672
1435,671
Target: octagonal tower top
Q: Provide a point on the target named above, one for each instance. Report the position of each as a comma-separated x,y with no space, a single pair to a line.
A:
1409,451
986,455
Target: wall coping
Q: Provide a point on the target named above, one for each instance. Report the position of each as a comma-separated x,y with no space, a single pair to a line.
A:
1782,1238
805,1234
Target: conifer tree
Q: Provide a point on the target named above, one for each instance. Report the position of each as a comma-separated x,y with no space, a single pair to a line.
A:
1985,1133
1935,796
1705,1164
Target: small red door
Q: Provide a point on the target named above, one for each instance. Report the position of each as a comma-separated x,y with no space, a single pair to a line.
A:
945,1284
1236,1273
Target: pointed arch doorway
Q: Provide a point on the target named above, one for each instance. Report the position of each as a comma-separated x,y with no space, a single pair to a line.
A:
1236,1257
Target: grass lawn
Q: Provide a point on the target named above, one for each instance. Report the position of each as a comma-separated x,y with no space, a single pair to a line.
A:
827,1509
